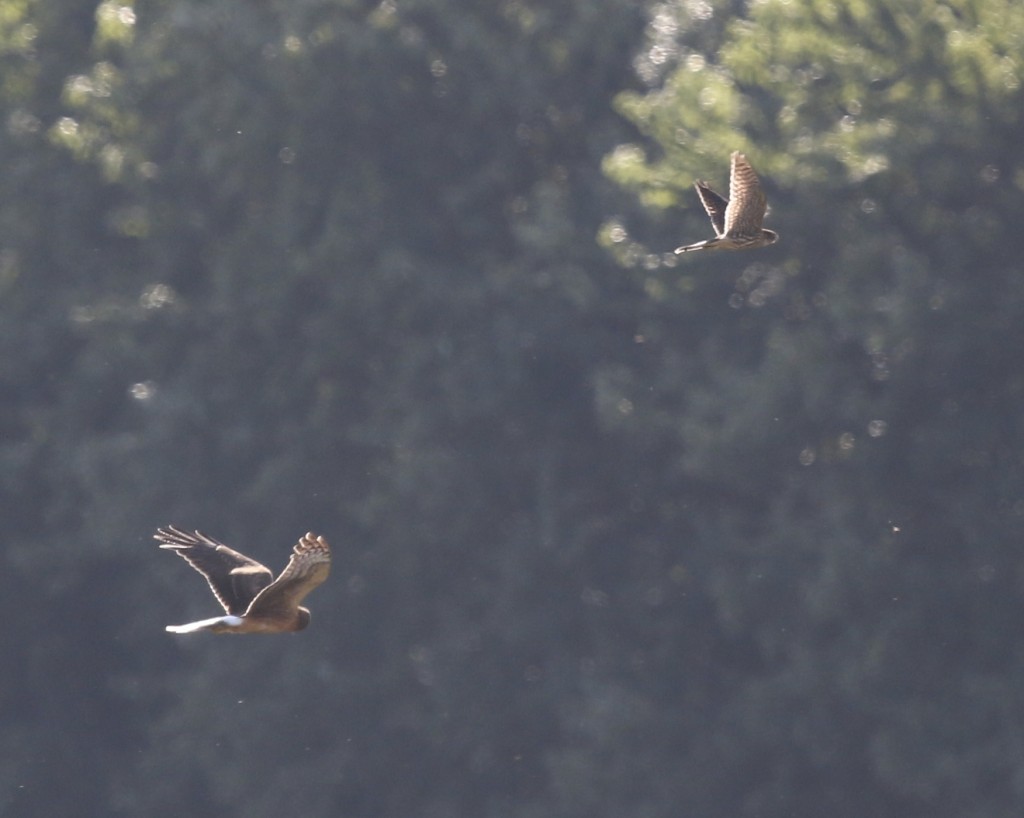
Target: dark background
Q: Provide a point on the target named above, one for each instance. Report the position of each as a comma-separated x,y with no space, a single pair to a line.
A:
615,533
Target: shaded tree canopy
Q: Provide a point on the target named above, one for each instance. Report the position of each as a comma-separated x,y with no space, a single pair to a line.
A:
614,532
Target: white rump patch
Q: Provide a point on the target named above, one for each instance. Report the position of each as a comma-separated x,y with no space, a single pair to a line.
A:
206,624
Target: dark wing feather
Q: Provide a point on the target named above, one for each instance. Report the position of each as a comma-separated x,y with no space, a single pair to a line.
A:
234,578
309,565
747,202
715,206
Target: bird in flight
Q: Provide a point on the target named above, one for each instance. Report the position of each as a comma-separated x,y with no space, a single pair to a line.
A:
737,222
255,602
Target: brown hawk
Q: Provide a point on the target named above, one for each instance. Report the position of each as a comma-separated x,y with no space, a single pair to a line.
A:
737,222
255,602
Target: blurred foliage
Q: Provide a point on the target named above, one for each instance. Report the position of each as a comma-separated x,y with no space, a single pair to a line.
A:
616,533
863,404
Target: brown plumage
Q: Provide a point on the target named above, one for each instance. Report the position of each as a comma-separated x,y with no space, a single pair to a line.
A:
255,602
737,222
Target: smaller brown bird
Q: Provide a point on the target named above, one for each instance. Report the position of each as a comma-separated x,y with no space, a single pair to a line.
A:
737,222
255,602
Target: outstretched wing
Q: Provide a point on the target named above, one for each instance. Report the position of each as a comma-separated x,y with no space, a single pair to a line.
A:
715,206
309,565
234,578
747,202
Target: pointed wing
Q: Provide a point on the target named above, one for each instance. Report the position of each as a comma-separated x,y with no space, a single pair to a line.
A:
715,206
234,578
308,567
747,201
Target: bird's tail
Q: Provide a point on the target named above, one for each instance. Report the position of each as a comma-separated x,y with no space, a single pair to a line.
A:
218,624
710,244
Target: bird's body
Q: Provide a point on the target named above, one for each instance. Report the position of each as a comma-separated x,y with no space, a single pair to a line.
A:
253,600
736,220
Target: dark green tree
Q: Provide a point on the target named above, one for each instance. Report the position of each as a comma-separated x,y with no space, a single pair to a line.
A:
342,277
845,437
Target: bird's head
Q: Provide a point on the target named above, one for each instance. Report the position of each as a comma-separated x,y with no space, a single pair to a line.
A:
770,236
304,618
